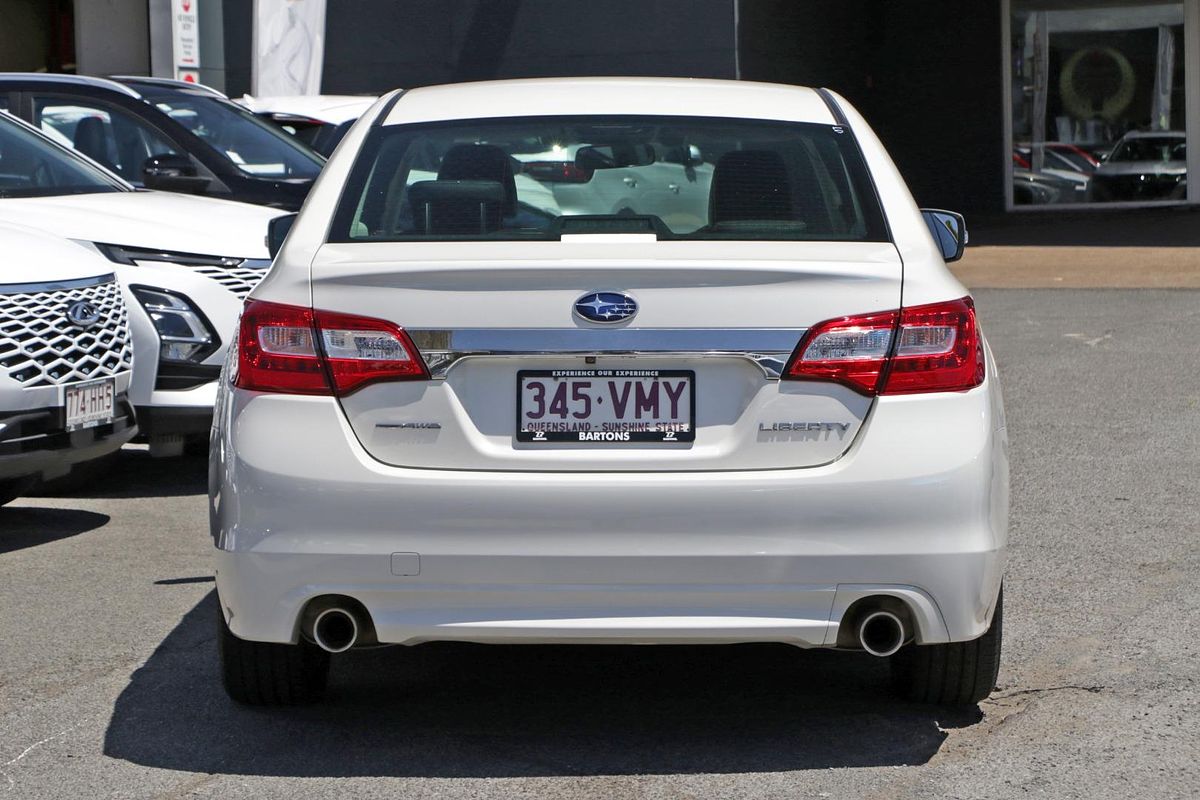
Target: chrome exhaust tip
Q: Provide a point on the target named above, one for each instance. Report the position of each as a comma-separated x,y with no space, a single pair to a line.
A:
335,630
881,633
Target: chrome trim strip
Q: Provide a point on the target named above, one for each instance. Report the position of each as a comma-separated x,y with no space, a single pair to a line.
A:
768,348
55,286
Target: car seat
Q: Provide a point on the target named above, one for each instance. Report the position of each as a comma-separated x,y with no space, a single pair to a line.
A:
91,139
749,185
475,189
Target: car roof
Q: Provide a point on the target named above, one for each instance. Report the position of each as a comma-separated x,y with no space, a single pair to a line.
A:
168,84
634,96
329,108
68,80
1155,135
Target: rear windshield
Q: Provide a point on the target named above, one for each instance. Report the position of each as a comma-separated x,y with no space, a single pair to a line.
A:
541,177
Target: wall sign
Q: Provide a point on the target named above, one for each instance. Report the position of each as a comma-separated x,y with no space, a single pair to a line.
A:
185,39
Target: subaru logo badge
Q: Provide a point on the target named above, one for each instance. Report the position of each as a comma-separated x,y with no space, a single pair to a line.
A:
83,313
606,307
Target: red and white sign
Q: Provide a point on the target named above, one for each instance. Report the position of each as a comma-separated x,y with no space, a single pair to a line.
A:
185,39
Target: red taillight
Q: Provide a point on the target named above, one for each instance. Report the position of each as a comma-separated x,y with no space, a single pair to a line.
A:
849,350
939,350
277,350
556,172
362,350
294,350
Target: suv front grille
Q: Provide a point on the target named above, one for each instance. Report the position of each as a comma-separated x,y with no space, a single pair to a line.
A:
40,346
239,280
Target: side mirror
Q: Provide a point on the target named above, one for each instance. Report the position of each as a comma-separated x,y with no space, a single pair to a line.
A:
277,231
949,231
172,172
689,156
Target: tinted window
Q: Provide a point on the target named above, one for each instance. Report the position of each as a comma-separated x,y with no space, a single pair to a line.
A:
540,177
109,135
30,166
253,146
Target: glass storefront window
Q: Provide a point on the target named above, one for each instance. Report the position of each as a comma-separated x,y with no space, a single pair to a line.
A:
1097,102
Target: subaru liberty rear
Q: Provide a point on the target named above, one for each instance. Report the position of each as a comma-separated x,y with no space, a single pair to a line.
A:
611,361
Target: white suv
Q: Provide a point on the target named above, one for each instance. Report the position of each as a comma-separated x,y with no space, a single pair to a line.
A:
186,262
451,414
66,356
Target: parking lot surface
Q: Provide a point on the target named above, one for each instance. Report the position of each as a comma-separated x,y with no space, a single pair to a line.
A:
109,687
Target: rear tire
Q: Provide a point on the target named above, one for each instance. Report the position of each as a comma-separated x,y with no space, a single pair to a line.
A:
270,674
952,674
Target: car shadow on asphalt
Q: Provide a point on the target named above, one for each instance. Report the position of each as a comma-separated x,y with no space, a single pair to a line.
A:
450,710
30,526
131,472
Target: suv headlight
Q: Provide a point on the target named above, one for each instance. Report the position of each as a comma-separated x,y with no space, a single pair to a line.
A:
132,255
186,335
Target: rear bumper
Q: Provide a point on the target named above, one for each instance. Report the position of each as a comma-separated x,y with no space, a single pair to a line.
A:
33,442
917,509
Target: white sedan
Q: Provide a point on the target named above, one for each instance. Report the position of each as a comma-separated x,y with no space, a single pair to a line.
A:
453,414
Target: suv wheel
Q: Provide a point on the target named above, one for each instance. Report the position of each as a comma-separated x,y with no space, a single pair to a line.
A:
953,674
270,674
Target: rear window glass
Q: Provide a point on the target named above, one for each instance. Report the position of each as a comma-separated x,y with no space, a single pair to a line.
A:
542,177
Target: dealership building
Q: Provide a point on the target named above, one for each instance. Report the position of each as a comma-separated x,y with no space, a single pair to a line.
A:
993,107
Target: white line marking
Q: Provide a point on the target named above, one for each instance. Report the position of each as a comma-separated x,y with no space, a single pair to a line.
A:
30,749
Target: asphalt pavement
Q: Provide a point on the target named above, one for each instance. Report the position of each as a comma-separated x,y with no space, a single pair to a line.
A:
109,687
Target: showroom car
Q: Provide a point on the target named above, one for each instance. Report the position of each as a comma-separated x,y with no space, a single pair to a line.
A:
66,356
185,263
1143,165
168,135
319,121
451,416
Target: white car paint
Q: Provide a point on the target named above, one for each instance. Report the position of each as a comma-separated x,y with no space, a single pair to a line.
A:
332,109
164,220
41,277
460,533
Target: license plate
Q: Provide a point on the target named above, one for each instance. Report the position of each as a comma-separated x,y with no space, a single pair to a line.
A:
90,404
606,405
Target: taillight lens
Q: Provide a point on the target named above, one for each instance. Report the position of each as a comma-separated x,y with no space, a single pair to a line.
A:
362,350
277,350
295,350
939,350
849,350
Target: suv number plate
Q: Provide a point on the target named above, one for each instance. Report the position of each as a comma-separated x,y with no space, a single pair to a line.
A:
606,405
89,404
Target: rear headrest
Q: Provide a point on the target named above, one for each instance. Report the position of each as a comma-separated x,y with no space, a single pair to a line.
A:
750,184
481,162
456,207
91,139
